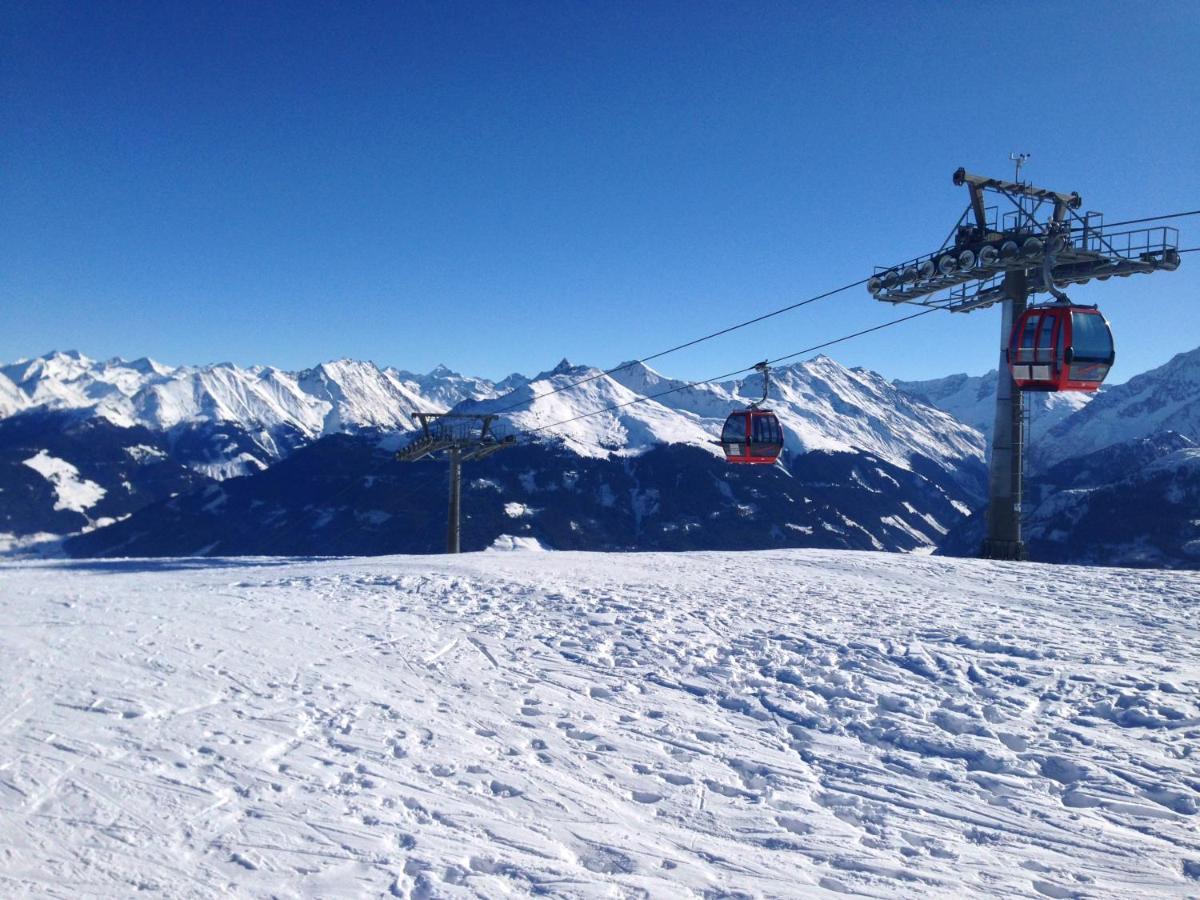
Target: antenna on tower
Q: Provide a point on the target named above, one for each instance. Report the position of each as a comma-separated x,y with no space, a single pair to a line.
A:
1019,159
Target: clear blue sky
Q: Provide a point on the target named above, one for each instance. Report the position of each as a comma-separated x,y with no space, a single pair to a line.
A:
497,185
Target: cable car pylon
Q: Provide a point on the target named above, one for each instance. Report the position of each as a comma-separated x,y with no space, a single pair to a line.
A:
1039,242
462,438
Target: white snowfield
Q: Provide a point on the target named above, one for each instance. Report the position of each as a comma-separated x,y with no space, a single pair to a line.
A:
73,493
778,724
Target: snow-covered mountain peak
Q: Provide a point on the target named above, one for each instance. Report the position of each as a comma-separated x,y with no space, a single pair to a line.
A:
143,365
336,395
68,358
1182,368
510,383
708,400
824,405
972,399
594,414
819,362
638,376
1164,398
11,398
358,394
60,365
563,368
442,388
63,379
341,368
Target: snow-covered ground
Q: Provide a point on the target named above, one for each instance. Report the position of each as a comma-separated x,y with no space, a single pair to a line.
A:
796,723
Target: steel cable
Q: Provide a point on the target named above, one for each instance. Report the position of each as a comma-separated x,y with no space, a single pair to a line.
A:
1178,215
677,347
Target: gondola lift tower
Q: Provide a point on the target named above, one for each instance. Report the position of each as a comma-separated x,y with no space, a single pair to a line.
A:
459,438
1032,240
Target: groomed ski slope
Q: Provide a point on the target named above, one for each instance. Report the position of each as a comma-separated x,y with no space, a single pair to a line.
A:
800,723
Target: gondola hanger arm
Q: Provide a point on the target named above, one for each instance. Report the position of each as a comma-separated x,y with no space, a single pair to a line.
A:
764,368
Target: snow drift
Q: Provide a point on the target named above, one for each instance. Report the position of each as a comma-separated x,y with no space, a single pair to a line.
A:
667,725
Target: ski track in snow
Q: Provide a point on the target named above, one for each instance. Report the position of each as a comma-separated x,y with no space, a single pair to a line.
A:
800,723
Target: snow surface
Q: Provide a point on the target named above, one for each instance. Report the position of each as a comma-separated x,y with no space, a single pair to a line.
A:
36,545
800,723
74,493
510,542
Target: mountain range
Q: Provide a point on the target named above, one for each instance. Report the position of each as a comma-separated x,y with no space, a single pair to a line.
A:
264,402
141,458
972,400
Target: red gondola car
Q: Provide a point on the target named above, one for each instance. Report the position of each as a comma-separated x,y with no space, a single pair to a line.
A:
1060,347
752,436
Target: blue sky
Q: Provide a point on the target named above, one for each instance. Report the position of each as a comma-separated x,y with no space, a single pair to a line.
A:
497,185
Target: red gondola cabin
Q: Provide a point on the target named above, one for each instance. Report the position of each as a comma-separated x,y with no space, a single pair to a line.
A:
752,436
1060,348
